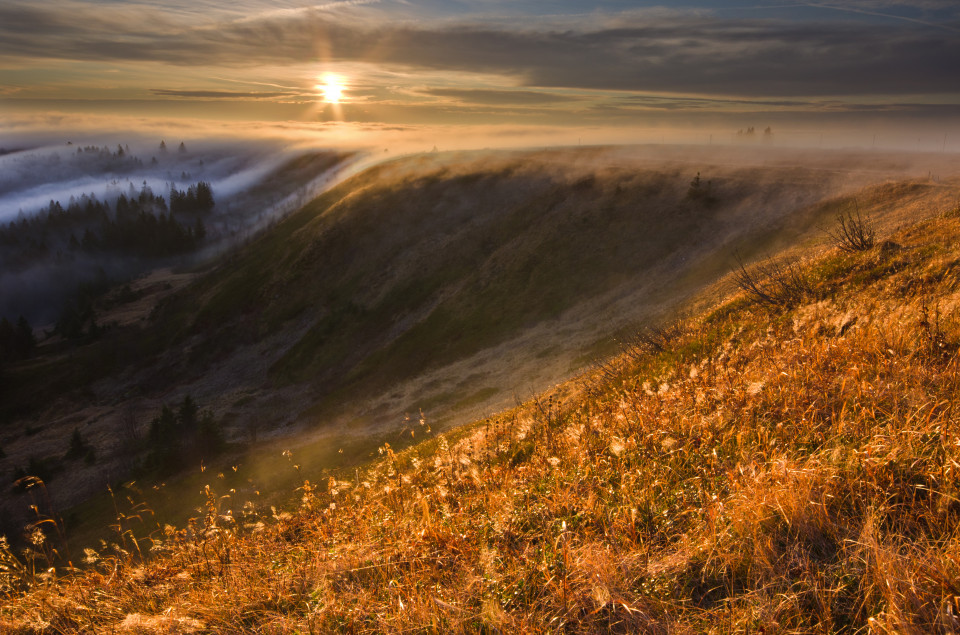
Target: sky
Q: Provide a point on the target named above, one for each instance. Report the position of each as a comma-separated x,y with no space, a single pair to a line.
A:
606,70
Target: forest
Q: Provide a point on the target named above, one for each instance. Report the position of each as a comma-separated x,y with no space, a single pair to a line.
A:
138,223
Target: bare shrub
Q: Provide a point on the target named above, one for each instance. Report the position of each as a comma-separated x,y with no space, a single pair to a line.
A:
773,283
646,342
853,232
653,339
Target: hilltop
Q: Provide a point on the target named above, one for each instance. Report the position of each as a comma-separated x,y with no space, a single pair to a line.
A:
780,459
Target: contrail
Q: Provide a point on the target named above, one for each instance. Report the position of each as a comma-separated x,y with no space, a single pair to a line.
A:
883,15
253,83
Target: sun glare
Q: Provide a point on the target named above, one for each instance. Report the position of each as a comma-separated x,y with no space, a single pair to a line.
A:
332,89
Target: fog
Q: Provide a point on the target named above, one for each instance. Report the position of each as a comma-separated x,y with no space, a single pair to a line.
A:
41,163
29,179
42,267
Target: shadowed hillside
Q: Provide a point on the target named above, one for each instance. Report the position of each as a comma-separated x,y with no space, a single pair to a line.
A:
423,262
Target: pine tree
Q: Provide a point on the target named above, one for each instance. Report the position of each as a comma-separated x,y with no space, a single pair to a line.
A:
210,438
25,339
78,447
164,438
187,414
205,200
199,231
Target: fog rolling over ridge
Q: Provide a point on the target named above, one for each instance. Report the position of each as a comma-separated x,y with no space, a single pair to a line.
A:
504,265
57,202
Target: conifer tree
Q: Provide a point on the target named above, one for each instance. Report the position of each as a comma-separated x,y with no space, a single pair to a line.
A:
25,339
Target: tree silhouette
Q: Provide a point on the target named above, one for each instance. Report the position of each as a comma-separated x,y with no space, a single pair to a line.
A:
17,341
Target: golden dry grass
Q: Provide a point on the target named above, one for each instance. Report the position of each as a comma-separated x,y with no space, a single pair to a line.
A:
782,469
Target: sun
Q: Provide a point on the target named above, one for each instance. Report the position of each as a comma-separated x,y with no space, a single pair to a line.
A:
332,89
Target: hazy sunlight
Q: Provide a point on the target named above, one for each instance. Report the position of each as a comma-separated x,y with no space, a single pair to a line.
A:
332,89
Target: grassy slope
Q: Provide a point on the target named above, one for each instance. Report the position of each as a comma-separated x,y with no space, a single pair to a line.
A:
787,469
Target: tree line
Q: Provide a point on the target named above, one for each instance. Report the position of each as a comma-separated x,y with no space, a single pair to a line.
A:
180,437
177,437
140,224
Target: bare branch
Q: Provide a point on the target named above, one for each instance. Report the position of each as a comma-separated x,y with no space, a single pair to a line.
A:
852,232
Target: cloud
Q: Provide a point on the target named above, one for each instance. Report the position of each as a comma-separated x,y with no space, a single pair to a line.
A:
500,97
660,102
935,13
691,54
218,94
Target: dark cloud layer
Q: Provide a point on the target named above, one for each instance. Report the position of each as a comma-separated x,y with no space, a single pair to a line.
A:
695,55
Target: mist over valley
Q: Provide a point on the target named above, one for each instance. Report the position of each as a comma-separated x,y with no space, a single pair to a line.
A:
77,218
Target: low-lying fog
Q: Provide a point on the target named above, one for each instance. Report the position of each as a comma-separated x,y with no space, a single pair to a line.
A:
30,179
247,170
46,257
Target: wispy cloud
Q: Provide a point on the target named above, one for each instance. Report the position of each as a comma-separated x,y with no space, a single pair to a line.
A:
888,10
693,53
500,97
218,94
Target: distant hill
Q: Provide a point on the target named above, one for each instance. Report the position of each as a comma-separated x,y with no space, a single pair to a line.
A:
425,262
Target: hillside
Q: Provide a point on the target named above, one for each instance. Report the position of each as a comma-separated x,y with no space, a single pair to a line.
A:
452,284
780,465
